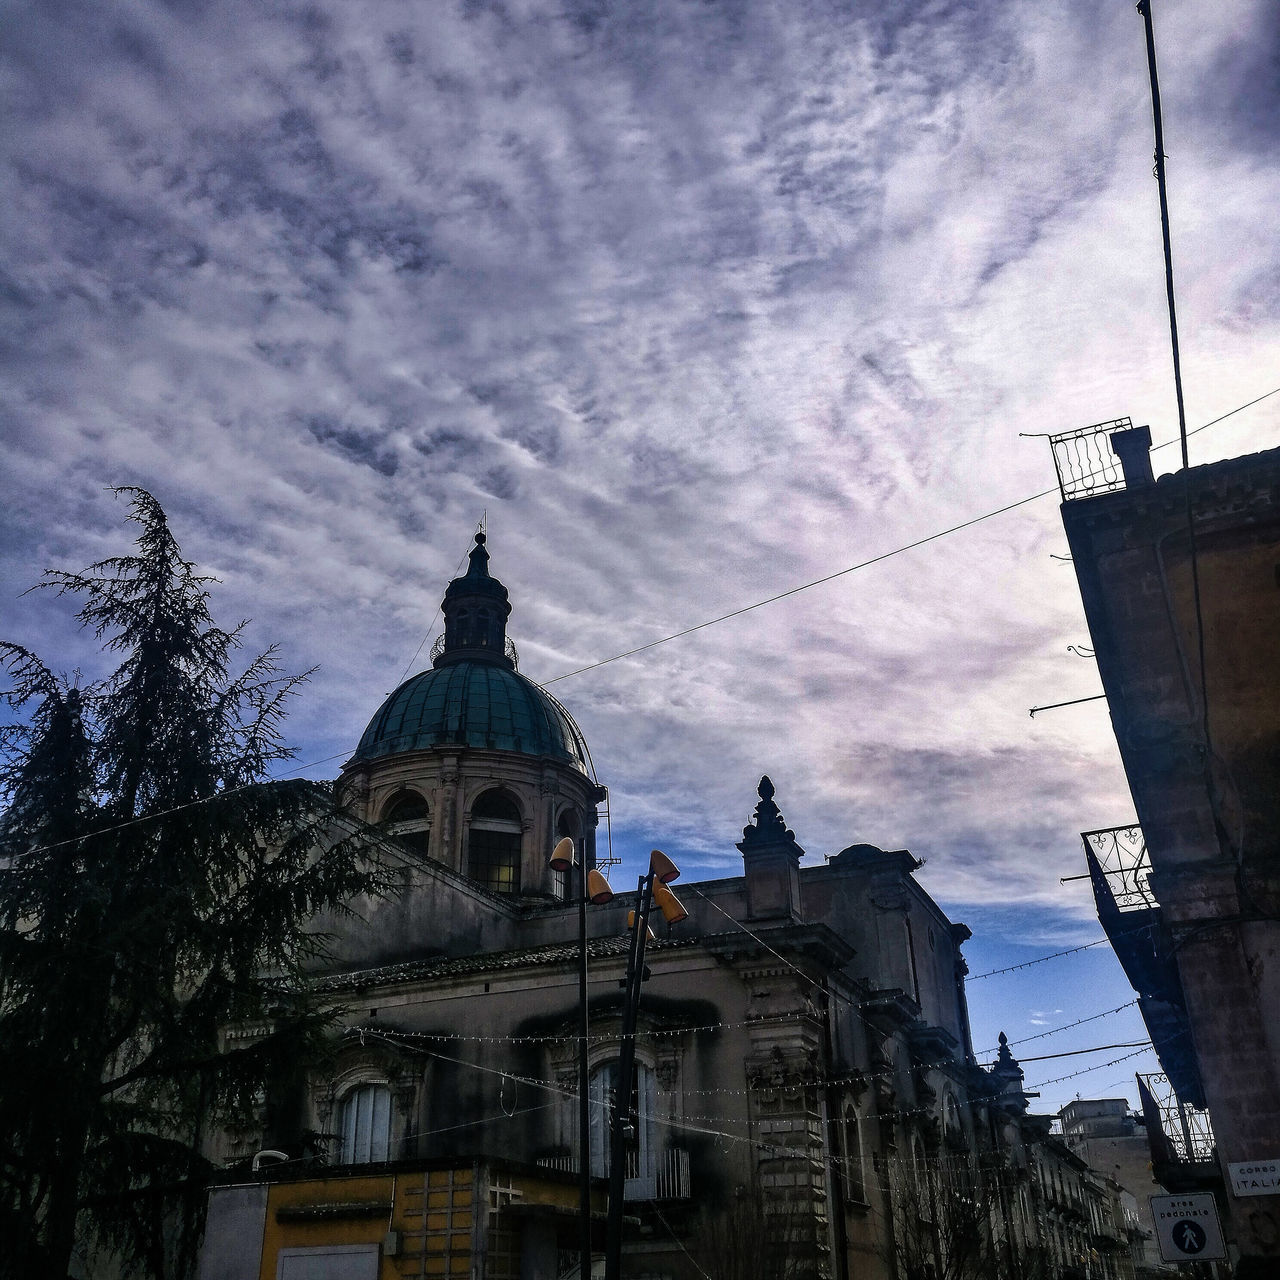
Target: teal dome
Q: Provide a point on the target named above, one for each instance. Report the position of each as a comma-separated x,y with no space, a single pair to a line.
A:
473,704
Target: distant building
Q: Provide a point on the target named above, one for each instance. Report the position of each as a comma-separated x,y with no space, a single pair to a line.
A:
807,1098
1106,1134
1180,580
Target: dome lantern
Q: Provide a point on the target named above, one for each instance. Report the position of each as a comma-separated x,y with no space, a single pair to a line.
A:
491,766
476,610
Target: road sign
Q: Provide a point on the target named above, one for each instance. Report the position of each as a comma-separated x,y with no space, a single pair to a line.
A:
1188,1228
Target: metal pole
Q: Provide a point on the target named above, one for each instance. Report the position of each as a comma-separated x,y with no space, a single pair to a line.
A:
584,1082
622,1081
1144,8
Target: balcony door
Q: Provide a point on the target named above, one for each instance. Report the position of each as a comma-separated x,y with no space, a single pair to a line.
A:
642,1156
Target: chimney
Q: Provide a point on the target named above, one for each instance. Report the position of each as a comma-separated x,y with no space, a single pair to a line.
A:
1133,447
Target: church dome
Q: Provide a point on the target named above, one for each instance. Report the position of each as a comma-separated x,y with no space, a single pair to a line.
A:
473,696
473,704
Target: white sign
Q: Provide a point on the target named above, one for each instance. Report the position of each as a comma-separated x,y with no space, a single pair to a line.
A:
1255,1177
1188,1228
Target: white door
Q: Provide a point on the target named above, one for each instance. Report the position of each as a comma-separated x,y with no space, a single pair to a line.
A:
329,1262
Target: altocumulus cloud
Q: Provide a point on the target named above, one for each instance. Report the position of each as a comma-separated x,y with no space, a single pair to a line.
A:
697,301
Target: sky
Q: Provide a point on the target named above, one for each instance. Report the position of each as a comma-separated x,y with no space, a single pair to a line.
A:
691,303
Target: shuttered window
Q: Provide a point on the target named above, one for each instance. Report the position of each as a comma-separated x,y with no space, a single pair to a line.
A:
365,1119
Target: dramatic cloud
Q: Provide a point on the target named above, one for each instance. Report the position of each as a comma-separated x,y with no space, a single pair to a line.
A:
698,302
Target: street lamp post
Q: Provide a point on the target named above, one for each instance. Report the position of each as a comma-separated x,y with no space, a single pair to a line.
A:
592,887
651,887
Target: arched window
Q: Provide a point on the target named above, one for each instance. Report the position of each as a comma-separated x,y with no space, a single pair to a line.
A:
364,1124
566,825
493,848
461,629
408,818
642,1156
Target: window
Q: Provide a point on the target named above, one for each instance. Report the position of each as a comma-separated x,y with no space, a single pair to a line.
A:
566,825
952,1121
855,1186
408,818
493,848
461,637
642,1160
364,1124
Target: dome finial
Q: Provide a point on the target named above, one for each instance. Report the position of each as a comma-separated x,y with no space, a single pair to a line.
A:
478,557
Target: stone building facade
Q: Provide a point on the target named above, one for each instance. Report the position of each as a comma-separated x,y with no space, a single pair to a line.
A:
1181,591
804,1068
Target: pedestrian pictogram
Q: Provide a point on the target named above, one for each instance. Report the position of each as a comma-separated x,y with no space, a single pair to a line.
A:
1188,1236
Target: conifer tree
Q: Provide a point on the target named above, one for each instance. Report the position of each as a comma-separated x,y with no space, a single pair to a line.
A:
155,890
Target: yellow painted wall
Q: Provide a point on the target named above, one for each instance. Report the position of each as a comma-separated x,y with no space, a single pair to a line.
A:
433,1211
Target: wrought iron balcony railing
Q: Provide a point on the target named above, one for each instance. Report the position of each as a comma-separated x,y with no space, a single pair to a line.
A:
1084,461
1187,1129
510,650
1121,853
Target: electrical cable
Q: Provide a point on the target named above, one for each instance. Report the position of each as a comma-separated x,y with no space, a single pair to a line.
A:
865,564
1053,1031
457,570
1084,1071
676,635
1097,1048
770,1149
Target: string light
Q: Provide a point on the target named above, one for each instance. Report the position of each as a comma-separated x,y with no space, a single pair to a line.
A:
1026,964
771,1150
1053,1031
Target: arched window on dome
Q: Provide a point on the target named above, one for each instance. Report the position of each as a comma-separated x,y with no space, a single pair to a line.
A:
460,625
493,845
408,817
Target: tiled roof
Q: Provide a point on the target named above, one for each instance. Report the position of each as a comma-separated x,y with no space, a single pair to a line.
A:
473,704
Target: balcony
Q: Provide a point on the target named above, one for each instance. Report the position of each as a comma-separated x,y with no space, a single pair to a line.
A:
665,1178
1121,856
1120,870
1085,462
1186,1130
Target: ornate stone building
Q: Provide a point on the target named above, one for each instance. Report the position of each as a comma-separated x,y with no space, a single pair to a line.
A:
803,1061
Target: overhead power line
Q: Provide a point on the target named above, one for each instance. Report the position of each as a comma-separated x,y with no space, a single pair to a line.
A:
866,564
1067,1026
711,622
1097,1048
